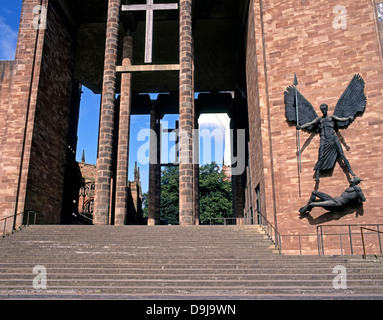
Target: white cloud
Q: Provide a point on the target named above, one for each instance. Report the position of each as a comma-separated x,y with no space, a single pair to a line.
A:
219,122
8,41
214,121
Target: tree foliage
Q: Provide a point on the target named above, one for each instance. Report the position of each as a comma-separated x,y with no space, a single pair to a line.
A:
169,195
214,192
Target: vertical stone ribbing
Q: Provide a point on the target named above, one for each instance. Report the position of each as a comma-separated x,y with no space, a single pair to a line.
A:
186,114
237,177
196,170
154,186
123,137
18,101
105,151
158,172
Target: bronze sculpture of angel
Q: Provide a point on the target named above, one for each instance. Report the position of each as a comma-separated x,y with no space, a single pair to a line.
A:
351,103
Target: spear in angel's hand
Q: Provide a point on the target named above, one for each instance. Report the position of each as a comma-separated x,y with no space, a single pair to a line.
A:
297,116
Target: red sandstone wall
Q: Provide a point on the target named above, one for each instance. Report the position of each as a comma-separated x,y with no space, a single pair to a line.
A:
17,113
35,117
7,71
258,117
298,36
49,144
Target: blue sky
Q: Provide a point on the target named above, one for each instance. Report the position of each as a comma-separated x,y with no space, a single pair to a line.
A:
9,25
90,107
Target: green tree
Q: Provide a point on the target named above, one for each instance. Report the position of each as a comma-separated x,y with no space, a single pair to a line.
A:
145,204
169,195
215,193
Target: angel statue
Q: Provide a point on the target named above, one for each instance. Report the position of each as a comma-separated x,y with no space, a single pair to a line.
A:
299,110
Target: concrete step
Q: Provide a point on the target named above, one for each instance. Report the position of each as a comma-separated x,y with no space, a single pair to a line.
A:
158,262
181,269
192,259
114,275
158,292
234,297
26,283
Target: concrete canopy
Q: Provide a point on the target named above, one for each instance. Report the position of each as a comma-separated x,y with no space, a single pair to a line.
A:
219,41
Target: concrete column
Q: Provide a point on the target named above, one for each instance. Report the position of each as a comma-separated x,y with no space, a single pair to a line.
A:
237,179
154,197
186,114
105,151
121,211
158,171
196,170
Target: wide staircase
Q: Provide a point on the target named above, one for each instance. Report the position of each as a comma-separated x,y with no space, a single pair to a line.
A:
173,262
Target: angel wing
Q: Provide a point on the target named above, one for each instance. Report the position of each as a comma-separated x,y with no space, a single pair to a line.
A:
305,109
352,102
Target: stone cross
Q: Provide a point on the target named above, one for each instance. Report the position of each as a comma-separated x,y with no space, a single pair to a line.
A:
149,7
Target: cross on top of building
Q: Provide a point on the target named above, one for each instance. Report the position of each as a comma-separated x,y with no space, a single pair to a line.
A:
149,7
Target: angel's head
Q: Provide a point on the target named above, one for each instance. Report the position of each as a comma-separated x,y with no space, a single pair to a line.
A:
324,109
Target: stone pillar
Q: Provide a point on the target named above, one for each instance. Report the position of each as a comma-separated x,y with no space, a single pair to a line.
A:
186,114
105,146
154,197
196,170
158,171
237,179
123,137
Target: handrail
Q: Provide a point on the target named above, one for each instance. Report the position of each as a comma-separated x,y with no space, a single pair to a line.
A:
320,235
277,236
224,220
15,217
5,222
362,234
272,233
299,236
85,217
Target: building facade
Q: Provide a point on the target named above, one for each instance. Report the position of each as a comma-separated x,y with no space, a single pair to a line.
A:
249,47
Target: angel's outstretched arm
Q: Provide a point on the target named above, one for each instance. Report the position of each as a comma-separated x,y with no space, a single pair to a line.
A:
315,121
342,119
